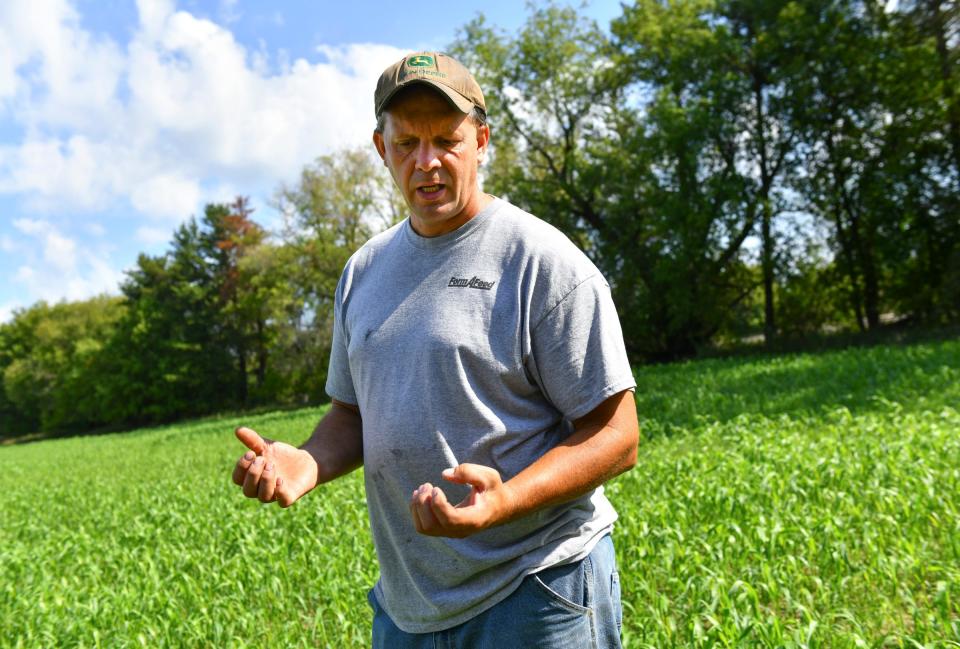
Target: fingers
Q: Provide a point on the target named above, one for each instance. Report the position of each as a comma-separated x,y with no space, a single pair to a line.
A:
257,475
251,484
490,502
476,475
420,509
240,471
442,510
251,439
268,483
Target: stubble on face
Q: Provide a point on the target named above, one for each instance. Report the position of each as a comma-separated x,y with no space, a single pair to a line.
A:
433,152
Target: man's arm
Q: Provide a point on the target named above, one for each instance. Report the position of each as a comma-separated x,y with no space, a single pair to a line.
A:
603,445
273,470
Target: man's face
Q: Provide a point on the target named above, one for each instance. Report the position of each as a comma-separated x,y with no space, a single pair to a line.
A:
433,151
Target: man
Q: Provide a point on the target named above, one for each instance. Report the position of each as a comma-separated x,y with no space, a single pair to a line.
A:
474,343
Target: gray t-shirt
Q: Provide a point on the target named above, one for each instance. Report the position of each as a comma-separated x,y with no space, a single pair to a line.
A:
480,345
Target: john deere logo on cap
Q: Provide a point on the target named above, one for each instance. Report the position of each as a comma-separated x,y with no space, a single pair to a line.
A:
420,61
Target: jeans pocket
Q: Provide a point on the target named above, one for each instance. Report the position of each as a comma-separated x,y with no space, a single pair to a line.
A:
567,586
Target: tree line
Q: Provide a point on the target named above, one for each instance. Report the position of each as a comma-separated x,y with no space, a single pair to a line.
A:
739,164
734,167
229,317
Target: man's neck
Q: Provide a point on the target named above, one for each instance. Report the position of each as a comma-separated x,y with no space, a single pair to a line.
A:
465,216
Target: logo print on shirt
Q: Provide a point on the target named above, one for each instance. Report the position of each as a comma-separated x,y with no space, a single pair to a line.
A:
473,282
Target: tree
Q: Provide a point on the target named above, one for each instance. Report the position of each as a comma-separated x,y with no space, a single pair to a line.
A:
339,201
928,90
729,59
875,163
644,180
181,346
229,237
48,358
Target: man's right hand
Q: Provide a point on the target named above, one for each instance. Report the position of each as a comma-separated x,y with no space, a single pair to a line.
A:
273,471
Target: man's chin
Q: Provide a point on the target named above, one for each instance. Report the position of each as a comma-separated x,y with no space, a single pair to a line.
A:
434,222
434,212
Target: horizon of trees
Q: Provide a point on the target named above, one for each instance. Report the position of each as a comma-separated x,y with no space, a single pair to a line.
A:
734,167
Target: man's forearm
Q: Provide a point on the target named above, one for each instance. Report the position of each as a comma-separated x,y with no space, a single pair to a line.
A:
603,445
337,442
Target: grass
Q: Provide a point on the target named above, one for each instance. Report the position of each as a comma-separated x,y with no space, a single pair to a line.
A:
782,501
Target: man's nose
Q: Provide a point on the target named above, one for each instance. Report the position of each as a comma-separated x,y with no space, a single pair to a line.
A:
427,158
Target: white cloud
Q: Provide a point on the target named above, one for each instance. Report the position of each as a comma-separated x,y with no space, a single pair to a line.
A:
228,12
60,252
182,105
72,77
56,173
76,277
153,15
24,274
95,229
154,236
31,226
57,267
166,197
178,115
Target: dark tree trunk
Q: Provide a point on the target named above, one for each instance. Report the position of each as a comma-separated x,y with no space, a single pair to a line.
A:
261,354
766,216
850,266
871,285
769,316
242,375
865,260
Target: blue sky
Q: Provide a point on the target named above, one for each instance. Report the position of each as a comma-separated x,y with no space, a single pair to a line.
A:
119,119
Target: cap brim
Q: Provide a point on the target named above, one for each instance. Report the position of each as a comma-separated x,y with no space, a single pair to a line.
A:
460,102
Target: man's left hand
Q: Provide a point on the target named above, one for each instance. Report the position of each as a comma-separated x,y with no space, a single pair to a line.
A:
489,503
603,444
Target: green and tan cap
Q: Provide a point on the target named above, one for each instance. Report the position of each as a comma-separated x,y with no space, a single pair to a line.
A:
443,72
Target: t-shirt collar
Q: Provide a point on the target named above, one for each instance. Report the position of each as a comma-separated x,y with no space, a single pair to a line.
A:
445,240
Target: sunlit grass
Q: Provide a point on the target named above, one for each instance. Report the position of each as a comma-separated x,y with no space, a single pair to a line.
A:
783,501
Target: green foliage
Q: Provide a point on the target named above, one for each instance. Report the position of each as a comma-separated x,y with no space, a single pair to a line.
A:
876,167
575,151
812,298
679,151
141,539
171,354
49,365
227,318
339,202
784,501
733,167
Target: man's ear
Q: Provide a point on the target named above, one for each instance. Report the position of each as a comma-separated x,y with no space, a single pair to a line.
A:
483,141
381,147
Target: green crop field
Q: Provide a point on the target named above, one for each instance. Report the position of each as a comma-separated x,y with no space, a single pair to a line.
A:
790,501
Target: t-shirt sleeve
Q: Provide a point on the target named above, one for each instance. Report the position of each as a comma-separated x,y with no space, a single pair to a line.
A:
577,354
339,380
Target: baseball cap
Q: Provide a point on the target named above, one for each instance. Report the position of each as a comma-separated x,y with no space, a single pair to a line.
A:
436,69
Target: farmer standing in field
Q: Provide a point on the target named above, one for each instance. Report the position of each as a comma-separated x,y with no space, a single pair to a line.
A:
475,344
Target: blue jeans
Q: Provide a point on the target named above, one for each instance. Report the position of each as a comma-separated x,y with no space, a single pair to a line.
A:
574,606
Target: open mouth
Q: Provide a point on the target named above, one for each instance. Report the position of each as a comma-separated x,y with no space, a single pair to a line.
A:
430,191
